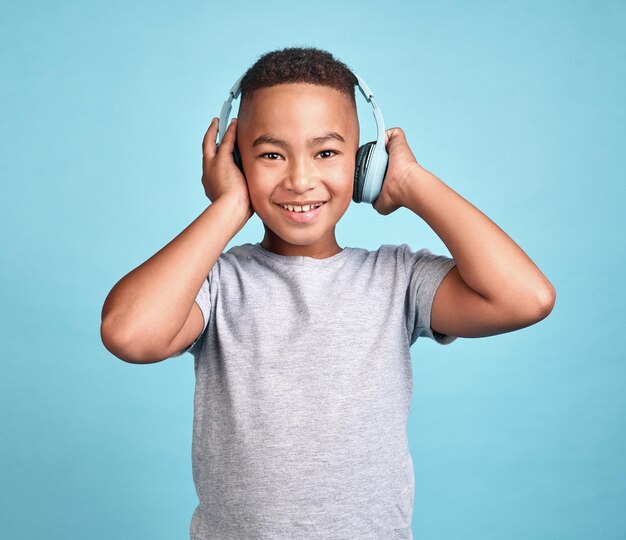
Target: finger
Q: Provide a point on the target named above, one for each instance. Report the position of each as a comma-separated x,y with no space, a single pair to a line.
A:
228,140
208,143
392,133
389,134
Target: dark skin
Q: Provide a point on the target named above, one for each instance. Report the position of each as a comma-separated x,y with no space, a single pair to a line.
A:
297,171
494,287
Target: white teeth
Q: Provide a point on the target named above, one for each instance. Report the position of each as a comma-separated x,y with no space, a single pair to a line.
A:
304,208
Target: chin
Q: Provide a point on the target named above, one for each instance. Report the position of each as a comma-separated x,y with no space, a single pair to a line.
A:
293,235
297,239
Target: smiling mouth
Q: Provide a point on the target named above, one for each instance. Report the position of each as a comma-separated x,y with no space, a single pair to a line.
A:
302,217
300,209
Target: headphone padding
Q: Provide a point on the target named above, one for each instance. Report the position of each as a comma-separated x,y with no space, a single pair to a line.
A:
360,171
237,157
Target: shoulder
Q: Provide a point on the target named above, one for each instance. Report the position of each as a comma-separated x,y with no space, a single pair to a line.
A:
238,255
390,254
387,259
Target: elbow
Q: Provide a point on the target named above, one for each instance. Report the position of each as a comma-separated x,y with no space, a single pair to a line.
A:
545,301
113,339
124,344
531,307
119,343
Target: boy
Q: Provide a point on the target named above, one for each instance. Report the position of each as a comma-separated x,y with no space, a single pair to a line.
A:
302,362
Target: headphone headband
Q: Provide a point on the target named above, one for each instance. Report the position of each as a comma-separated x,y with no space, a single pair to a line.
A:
235,91
375,164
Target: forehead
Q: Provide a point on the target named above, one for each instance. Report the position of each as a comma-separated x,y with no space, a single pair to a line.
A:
290,107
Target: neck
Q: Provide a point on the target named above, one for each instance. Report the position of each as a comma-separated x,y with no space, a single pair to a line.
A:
321,249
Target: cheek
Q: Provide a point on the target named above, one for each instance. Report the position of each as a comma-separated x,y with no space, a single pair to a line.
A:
257,187
260,194
344,184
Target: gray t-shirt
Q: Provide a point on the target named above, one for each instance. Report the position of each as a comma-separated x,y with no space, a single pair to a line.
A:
303,388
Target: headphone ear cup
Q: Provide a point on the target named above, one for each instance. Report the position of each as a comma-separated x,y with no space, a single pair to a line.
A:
362,161
237,157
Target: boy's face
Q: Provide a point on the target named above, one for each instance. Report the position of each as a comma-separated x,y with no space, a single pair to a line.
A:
299,169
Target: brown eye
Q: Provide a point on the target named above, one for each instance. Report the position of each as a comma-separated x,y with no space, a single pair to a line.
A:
326,151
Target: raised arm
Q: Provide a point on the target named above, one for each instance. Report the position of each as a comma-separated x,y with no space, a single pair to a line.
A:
149,314
495,287
148,308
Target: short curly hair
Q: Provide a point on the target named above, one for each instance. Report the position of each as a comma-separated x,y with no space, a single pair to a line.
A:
298,64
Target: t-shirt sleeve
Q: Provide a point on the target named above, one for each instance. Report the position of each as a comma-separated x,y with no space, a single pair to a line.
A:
203,299
424,271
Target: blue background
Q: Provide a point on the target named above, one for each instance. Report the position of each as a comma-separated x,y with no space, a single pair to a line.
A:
518,106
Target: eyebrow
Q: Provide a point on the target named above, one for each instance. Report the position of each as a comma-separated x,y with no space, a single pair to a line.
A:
313,141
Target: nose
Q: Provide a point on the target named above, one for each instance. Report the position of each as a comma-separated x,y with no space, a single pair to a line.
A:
302,175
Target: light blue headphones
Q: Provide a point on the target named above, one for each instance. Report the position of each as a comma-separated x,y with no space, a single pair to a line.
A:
371,158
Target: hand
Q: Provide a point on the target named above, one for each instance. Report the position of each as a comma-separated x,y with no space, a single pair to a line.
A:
401,165
220,174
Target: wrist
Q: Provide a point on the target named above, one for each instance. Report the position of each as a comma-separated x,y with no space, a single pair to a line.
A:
237,206
410,183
